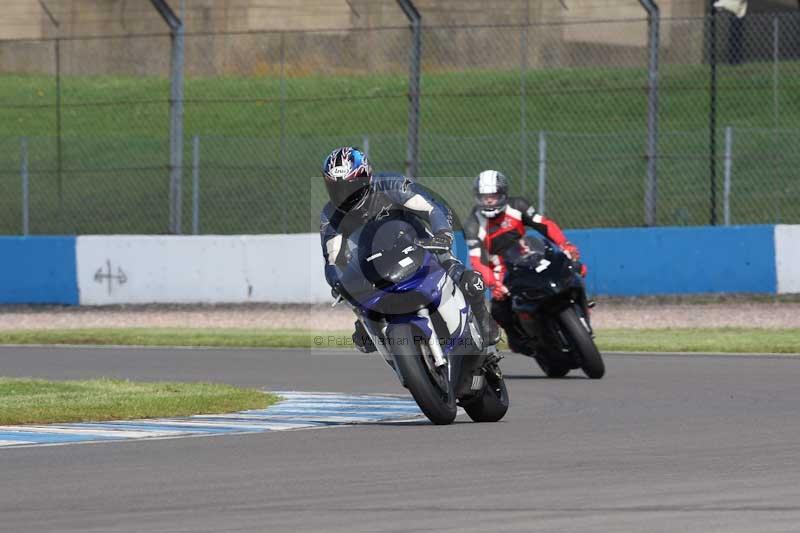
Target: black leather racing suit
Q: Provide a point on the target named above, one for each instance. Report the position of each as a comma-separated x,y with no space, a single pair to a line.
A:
388,194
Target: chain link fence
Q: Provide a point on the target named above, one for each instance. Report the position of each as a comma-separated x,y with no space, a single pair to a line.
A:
561,108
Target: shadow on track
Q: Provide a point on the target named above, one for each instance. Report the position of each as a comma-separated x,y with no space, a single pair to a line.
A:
543,377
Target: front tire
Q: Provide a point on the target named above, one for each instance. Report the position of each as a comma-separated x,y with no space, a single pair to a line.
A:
590,359
491,405
433,393
553,370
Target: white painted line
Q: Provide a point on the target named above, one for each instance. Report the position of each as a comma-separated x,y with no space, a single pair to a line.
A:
89,432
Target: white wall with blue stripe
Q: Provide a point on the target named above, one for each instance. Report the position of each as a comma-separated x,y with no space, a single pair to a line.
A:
101,270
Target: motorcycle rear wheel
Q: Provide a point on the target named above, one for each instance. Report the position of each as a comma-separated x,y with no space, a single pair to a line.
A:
433,393
590,359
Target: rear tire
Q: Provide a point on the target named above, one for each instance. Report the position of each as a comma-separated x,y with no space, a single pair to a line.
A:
433,394
491,405
590,359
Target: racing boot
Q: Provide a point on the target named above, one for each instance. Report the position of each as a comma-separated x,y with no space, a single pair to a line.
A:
490,367
490,331
473,288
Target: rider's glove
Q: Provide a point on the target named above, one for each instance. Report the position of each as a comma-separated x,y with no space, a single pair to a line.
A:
571,250
499,291
442,241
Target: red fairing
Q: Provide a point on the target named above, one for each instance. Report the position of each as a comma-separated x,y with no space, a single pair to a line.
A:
554,233
484,270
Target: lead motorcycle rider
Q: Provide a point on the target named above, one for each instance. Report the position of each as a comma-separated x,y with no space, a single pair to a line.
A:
494,233
358,197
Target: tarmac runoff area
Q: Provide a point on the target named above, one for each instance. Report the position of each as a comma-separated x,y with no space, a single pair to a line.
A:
668,443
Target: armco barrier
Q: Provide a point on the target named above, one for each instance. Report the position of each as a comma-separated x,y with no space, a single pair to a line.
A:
645,261
38,270
204,269
685,260
99,270
787,258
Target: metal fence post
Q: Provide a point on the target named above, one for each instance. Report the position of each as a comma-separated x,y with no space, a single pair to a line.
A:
712,115
176,112
414,80
651,190
25,187
196,185
365,145
776,110
523,127
282,148
59,137
726,194
542,170
776,28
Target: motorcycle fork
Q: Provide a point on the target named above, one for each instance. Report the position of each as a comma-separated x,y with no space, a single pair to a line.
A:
581,306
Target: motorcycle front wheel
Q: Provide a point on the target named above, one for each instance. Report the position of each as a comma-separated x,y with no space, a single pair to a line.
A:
430,386
582,343
492,403
552,369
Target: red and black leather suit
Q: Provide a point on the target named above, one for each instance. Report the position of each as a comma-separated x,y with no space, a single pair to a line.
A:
492,240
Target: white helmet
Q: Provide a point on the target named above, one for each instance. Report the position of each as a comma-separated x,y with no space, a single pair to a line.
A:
491,193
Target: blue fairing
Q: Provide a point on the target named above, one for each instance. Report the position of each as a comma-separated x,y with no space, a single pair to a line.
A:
424,286
419,321
422,290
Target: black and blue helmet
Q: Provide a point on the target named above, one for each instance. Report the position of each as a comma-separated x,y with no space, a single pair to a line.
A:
348,175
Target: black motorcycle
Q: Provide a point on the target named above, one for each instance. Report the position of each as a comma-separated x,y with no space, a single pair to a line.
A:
551,310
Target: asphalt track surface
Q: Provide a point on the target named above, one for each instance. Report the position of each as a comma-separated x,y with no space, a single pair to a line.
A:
663,443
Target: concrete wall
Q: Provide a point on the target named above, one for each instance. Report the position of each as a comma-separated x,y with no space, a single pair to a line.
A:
787,258
21,20
38,270
639,261
100,270
564,40
206,269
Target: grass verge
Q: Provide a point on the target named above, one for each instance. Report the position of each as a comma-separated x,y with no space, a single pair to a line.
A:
727,340
595,119
35,401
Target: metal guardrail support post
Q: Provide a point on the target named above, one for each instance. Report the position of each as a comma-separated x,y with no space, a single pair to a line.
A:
414,80
176,113
651,188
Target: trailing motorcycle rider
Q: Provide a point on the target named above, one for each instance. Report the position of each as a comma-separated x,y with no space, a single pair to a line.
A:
358,197
494,232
